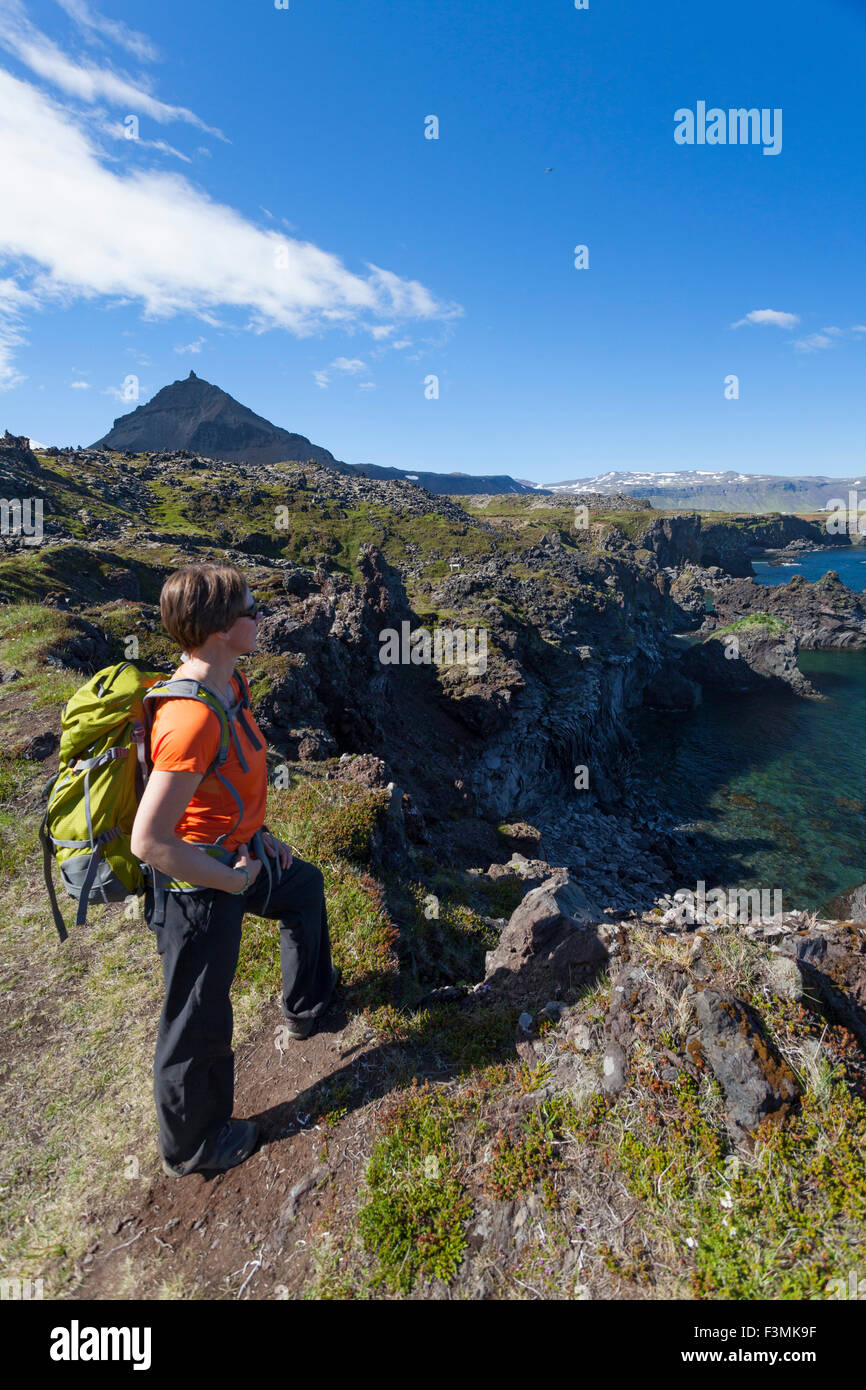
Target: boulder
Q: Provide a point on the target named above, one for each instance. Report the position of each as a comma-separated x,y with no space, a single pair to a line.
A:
551,940
758,1085
833,968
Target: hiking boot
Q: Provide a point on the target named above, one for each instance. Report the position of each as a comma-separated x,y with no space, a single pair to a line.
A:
302,1028
234,1143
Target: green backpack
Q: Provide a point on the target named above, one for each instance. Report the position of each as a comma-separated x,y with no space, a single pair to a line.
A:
104,765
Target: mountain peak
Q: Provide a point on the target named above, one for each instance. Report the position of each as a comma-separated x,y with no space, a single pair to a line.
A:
196,415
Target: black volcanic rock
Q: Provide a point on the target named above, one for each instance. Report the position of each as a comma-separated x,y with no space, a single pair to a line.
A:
822,614
195,415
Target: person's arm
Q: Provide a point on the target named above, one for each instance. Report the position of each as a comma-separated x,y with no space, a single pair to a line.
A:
153,840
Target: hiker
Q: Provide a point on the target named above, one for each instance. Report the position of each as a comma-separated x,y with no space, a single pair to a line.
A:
209,859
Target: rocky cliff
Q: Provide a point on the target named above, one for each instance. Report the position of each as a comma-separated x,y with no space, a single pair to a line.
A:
549,1068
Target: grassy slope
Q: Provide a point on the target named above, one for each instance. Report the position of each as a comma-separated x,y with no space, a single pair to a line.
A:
79,1024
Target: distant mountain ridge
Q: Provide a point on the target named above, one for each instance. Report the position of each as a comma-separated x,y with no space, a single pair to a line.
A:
194,414
726,491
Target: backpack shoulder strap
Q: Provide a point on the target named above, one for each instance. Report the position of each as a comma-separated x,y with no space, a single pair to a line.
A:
185,688
238,713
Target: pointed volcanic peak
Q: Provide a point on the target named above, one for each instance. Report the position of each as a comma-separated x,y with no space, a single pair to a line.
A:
196,415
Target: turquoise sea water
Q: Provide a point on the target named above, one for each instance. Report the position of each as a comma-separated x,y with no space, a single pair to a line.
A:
775,786
849,563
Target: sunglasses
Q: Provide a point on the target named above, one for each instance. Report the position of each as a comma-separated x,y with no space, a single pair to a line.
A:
255,609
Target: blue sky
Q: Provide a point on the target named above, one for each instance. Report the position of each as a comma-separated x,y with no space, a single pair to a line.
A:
282,227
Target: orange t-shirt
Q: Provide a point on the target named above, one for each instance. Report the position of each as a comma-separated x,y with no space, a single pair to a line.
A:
185,738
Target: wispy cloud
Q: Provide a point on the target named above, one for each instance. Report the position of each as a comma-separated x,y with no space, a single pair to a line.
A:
79,385
90,22
815,342
13,302
85,82
118,131
775,317
828,337
192,347
350,366
153,238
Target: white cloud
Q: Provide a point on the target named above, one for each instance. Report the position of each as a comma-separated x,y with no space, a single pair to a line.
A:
383,330
366,385
859,328
79,385
348,364
815,342
117,131
192,347
13,301
776,317
835,332
85,82
154,238
88,19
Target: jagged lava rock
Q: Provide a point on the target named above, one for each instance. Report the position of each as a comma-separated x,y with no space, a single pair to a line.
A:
757,1084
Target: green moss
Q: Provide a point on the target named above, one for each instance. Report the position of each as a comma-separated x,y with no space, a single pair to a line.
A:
526,1154
634,525
769,621
796,1216
415,1217
443,939
77,571
464,1034
29,633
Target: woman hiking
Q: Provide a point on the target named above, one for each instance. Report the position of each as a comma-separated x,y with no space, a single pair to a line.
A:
212,860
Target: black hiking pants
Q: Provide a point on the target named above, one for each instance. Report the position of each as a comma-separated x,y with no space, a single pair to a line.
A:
199,942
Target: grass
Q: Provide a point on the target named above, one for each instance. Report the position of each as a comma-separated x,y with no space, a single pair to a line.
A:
769,622
78,571
332,825
77,1124
414,1220
30,632
664,1205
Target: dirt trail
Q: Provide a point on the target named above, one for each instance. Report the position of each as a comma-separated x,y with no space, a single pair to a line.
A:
250,1233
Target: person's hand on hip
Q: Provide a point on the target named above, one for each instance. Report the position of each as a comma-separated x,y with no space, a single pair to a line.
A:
277,849
245,860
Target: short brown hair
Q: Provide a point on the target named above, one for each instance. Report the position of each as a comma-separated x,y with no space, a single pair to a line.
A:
200,600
